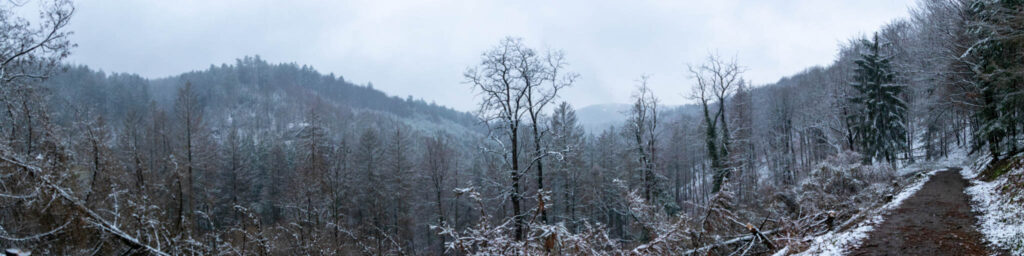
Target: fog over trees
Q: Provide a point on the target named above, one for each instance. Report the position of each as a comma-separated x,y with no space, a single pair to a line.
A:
261,158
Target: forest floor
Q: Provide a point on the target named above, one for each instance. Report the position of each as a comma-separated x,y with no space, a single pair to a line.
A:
937,220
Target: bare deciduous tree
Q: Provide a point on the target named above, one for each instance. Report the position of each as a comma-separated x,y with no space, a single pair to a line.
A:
542,77
190,113
437,162
642,129
502,109
716,80
29,52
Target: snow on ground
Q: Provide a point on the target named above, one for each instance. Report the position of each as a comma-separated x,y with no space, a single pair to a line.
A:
957,157
837,243
1000,216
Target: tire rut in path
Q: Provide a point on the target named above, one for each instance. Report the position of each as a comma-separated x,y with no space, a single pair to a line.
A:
937,220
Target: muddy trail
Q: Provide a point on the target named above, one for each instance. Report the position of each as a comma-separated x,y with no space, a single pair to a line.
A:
937,220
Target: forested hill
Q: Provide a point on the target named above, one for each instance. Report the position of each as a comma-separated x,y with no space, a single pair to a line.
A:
251,93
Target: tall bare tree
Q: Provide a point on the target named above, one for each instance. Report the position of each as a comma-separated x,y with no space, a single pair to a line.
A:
190,114
502,110
438,158
516,82
29,53
542,76
716,80
642,127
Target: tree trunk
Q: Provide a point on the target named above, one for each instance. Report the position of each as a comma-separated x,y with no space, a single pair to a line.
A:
540,166
515,197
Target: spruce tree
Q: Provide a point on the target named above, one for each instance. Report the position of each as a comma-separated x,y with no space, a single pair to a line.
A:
997,68
878,122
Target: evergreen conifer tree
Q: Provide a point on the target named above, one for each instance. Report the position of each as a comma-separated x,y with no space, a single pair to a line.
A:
997,73
878,122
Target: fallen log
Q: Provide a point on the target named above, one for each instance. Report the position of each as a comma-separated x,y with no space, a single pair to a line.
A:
764,239
726,242
830,220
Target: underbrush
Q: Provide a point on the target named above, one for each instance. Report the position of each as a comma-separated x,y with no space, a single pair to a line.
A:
829,209
854,198
996,194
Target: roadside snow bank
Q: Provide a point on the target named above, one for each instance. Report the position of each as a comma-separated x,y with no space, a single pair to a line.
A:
1000,214
837,243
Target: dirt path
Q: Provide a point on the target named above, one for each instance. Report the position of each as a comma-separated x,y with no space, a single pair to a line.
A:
937,220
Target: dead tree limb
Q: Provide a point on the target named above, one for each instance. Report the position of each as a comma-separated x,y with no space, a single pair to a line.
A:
79,206
764,239
726,242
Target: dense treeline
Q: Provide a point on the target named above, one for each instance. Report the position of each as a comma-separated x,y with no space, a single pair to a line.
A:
271,159
280,142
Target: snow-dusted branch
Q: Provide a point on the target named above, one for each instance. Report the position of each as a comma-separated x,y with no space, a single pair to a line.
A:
79,206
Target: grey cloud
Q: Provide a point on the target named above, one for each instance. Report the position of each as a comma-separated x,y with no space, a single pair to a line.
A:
420,48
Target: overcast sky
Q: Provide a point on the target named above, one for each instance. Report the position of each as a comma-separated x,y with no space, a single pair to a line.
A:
421,48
